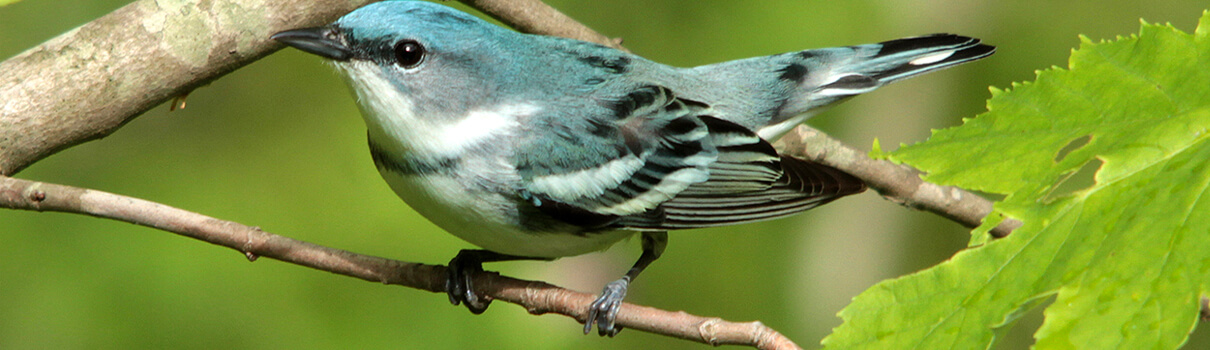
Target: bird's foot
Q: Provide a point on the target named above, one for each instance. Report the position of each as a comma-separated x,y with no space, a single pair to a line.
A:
604,310
458,283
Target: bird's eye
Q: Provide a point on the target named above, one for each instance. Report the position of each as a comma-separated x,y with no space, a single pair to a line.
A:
408,53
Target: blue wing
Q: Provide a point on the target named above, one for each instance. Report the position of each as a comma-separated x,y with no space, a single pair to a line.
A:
656,162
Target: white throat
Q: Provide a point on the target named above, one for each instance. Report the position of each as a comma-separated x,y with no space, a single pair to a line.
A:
393,123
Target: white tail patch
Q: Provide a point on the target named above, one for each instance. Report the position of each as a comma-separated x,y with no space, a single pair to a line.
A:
847,85
933,58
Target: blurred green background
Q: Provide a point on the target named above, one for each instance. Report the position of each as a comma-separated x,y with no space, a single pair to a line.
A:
279,144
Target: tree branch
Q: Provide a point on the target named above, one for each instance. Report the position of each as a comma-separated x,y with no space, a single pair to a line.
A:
897,183
88,82
536,297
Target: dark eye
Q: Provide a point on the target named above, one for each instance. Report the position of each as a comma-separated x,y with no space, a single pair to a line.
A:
408,53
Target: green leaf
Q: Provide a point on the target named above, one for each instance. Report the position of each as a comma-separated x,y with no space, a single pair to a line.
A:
1125,253
7,2
876,150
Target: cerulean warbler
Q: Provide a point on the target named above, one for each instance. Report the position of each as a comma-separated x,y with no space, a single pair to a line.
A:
537,147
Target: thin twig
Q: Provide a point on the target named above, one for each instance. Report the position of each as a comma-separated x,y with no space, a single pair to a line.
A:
252,242
897,183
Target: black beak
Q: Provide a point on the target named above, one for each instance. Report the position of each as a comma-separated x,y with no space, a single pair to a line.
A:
322,41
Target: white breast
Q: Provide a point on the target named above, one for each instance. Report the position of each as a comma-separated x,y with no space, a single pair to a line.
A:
469,202
485,219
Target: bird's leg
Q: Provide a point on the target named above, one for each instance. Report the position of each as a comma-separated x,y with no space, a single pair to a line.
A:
604,310
464,265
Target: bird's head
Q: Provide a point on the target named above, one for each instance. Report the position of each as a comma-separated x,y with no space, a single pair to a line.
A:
429,57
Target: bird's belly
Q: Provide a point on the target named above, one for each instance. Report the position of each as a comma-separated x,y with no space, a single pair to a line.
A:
489,220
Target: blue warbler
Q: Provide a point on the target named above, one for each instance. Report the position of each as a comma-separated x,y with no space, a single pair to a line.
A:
537,147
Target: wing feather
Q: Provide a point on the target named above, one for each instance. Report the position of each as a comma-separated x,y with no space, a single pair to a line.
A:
679,168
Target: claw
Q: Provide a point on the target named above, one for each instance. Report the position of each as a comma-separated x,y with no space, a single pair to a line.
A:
458,284
604,310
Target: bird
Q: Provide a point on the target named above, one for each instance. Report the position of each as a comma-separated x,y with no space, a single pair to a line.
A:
535,147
